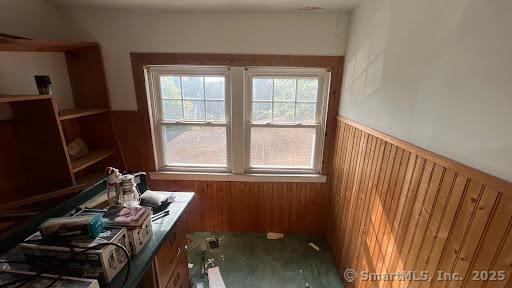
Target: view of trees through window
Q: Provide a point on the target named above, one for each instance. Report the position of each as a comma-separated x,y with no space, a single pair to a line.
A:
194,98
284,100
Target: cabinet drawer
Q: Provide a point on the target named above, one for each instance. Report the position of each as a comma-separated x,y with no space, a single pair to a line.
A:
180,278
170,253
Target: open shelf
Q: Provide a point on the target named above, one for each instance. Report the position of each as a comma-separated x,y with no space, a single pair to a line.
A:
17,98
94,156
79,112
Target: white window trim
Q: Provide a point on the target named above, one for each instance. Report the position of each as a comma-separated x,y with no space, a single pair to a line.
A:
320,122
253,177
238,148
154,72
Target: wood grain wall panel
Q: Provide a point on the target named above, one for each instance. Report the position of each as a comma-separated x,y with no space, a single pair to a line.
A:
252,206
233,206
395,207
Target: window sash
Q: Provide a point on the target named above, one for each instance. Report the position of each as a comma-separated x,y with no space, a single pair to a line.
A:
193,167
320,115
159,123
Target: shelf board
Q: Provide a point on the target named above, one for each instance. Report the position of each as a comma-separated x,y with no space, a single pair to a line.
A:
42,197
92,157
19,44
17,98
79,112
90,178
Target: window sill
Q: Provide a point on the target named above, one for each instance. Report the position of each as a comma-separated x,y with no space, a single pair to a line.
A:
163,175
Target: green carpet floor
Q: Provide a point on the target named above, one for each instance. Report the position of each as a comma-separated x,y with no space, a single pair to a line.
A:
250,260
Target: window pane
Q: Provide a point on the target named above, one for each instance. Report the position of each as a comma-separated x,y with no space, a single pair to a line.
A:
215,110
195,145
282,147
262,111
193,109
192,87
172,110
305,112
307,89
262,89
171,87
283,112
214,88
284,90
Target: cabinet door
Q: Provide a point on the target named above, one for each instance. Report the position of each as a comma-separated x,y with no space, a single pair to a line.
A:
169,254
181,277
149,280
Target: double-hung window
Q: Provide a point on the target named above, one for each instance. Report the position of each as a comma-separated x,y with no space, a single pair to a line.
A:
240,120
285,119
191,118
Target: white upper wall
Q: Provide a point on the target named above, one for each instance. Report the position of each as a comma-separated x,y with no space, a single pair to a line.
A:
31,19
436,74
121,31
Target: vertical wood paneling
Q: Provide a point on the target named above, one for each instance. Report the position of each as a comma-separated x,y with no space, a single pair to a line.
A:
395,207
252,206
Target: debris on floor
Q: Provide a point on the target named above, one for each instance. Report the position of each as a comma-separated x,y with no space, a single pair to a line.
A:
312,245
215,279
190,265
252,260
274,236
212,242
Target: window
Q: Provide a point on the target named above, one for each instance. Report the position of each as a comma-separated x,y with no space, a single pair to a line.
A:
286,122
191,118
254,120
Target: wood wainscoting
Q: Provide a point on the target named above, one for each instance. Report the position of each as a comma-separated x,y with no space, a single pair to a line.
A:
395,207
252,206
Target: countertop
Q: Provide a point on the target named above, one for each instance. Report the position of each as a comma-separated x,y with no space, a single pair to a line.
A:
161,228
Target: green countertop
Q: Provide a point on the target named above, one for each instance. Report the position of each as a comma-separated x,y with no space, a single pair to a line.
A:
161,228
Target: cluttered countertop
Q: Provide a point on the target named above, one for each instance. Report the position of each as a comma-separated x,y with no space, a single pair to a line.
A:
161,228
141,241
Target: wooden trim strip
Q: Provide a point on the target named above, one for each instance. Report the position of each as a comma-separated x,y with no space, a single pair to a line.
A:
470,172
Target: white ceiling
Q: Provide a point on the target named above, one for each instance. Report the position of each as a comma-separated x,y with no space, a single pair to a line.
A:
218,4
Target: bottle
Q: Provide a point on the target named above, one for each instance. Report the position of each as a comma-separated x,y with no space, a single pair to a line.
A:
113,187
129,193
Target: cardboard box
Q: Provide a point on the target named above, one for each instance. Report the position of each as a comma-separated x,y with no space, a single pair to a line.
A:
138,236
102,264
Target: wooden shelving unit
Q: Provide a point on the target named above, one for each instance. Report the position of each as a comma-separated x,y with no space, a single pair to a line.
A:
91,158
79,112
34,160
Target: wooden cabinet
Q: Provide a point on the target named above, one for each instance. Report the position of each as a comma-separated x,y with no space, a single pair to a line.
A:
170,266
180,278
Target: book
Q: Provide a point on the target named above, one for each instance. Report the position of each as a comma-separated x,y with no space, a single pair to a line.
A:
120,216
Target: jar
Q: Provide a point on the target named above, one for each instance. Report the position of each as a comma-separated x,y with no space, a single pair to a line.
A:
130,196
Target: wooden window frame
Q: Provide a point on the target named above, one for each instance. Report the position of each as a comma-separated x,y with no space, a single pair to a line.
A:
334,64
